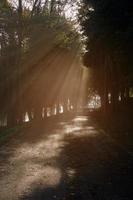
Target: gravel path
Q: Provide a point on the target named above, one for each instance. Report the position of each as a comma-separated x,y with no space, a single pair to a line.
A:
67,160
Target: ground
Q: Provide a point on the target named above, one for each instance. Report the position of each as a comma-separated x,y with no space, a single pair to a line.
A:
70,158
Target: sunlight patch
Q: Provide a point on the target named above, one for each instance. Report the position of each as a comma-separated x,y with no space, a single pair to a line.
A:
71,172
32,165
80,119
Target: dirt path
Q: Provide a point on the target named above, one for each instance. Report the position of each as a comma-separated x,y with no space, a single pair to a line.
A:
68,160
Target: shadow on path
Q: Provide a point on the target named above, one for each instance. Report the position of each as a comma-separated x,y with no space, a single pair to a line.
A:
71,160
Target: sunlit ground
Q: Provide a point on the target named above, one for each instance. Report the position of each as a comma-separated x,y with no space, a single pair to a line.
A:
63,159
33,165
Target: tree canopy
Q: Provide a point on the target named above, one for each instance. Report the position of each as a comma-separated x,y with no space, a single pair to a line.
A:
35,36
108,27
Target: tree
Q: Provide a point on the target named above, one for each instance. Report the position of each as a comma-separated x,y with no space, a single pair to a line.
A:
33,42
107,26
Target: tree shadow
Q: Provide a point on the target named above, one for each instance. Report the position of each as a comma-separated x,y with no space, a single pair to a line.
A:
90,164
101,169
93,168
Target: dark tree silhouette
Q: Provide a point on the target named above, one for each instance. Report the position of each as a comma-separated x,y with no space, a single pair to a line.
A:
108,26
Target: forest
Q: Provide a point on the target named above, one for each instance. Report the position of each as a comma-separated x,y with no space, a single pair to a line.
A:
66,100
43,41
40,48
108,27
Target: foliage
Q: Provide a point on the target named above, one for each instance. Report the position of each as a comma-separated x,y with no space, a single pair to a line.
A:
30,33
107,24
